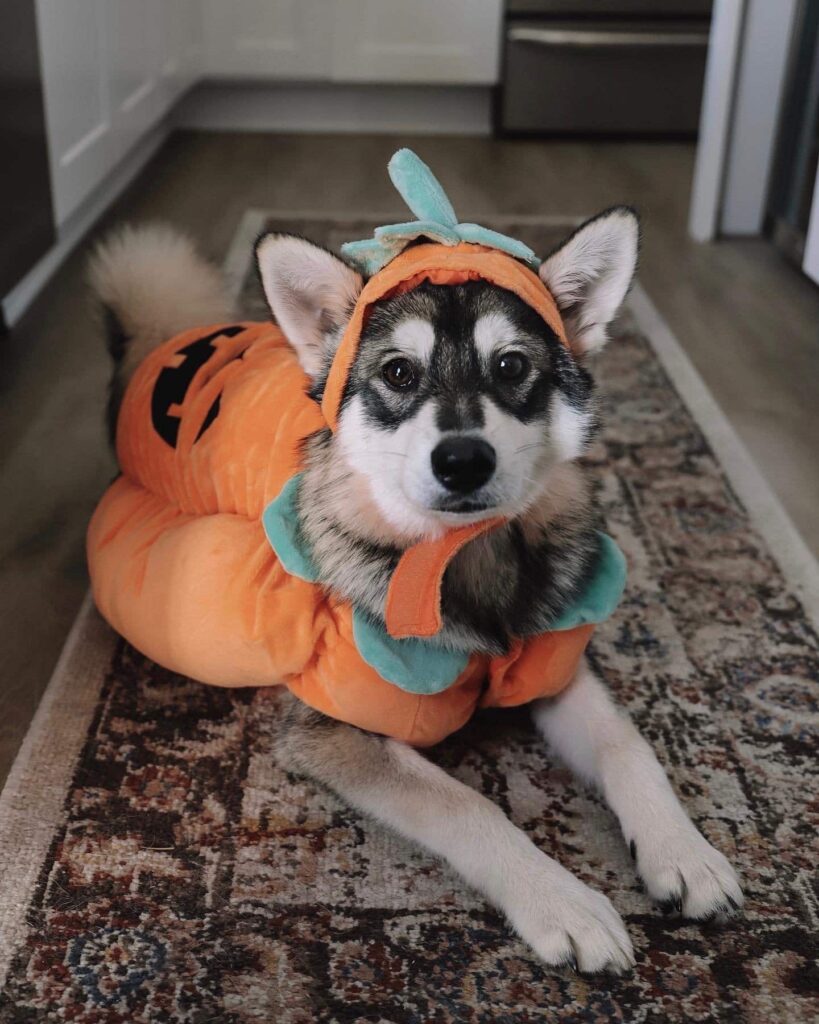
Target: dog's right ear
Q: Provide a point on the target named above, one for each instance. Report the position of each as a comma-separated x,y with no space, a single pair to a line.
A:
310,292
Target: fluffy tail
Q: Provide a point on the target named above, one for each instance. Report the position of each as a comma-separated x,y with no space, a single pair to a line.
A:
151,283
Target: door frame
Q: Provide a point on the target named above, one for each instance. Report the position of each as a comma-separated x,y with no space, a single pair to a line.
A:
744,84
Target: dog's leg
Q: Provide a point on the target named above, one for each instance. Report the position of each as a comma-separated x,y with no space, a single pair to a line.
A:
563,920
679,867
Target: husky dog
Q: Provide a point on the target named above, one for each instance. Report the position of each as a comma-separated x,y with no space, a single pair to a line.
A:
461,405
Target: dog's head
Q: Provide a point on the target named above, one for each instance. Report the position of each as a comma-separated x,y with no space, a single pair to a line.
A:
461,399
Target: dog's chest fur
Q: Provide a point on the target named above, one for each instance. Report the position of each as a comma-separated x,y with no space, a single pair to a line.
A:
510,582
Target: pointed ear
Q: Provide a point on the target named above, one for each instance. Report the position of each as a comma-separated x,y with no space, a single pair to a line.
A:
590,274
310,292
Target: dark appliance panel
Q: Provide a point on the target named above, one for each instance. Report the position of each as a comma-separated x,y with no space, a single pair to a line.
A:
26,219
611,8
620,73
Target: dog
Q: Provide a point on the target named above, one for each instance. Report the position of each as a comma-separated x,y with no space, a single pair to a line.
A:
461,405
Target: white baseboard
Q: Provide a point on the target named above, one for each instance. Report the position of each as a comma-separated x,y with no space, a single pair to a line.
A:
17,301
764,508
322,107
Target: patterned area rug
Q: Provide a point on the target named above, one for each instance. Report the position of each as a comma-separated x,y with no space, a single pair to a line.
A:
158,865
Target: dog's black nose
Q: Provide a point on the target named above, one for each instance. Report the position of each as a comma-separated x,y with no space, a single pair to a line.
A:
463,464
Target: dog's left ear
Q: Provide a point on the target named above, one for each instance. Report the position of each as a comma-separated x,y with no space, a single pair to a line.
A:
590,274
310,292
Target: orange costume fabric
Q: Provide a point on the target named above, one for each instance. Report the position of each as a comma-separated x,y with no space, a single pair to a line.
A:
208,437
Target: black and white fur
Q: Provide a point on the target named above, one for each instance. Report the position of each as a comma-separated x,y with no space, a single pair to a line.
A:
370,492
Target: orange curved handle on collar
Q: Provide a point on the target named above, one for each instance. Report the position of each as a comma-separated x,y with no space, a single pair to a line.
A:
413,606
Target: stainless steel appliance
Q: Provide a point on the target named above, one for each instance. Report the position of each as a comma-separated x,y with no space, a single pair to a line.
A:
603,67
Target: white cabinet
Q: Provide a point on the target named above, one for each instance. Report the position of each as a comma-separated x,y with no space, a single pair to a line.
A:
267,39
180,48
132,67
111,68
380,41
77,100
422,41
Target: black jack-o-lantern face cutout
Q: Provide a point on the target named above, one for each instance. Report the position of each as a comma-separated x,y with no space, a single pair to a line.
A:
172,385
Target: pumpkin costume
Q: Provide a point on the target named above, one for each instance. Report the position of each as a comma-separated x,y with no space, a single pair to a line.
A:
195,551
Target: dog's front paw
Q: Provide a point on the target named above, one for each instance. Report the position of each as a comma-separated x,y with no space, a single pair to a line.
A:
568,924
683,872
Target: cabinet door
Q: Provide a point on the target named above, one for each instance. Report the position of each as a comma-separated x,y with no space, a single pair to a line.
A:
133,65
425,41
77,101
180,47
268,39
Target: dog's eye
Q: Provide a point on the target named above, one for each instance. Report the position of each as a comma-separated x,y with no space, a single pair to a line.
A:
511,367
398,373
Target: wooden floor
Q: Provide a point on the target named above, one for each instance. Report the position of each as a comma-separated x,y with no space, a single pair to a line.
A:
748,321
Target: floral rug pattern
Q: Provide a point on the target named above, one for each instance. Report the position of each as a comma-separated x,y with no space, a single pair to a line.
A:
193,879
